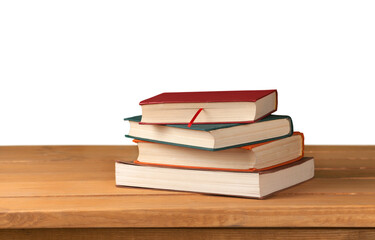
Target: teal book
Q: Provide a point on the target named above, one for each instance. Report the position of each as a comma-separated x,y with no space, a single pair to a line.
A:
213,137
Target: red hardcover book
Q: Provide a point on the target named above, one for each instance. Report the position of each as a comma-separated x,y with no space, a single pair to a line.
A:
251,158
208,107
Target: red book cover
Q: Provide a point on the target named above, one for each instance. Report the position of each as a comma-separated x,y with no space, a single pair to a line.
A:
213,96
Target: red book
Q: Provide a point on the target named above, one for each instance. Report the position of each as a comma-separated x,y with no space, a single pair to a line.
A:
208,107
251,158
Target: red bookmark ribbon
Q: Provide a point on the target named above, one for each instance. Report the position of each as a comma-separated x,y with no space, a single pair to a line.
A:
195,116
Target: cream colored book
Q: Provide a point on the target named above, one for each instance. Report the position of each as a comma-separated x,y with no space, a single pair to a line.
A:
243,184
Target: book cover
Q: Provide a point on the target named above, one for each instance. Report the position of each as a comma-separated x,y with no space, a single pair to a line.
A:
209,96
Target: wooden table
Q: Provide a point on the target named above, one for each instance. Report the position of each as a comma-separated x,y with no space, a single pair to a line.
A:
68,192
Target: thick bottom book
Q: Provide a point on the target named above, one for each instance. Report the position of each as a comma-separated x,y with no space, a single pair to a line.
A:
242,184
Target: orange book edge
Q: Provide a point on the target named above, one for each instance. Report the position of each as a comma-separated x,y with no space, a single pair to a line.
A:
248,147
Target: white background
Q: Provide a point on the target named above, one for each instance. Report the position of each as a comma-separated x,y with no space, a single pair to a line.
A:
71,70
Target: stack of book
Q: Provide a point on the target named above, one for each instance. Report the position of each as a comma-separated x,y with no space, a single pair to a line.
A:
222,143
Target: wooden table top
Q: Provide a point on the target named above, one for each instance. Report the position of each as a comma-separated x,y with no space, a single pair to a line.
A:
74,187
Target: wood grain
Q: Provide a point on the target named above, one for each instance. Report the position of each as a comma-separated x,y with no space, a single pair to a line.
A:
189,234
73,186
188,211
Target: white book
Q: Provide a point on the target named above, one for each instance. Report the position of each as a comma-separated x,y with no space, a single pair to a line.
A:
243,184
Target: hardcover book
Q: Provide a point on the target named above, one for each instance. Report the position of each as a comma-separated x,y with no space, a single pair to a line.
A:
208,107
252,158
243,184
213,137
